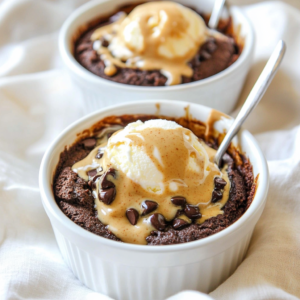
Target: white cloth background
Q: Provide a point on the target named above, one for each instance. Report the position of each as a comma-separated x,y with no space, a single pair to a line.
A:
37,101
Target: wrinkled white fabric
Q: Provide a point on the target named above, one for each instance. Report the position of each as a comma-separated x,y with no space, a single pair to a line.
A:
37,101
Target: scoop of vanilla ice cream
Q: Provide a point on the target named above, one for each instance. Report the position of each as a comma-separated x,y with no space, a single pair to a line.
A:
133,159
193,35
164,29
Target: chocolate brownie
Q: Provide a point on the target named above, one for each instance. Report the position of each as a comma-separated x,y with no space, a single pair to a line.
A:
213,56
74,195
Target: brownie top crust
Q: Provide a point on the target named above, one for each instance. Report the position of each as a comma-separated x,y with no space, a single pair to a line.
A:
82,195
170,57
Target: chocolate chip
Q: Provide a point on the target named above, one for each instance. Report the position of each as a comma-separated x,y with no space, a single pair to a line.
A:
148,206
104,42
178,200
89,143
216,196
96,177
107,196
211,47
99,153
192,212
219,183
92,173
178,213
158,221
105,183
204,55
92,182
132,216
179,224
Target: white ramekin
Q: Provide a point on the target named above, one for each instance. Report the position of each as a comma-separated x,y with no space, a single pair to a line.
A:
220,91
127,271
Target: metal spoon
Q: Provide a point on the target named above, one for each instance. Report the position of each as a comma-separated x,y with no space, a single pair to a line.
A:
254,97
216,14
214,21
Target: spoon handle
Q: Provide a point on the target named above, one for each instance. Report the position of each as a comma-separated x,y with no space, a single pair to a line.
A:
254,97
216,13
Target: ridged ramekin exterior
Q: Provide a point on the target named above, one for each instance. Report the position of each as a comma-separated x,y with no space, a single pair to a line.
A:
115,280
220,91
96,97
129,272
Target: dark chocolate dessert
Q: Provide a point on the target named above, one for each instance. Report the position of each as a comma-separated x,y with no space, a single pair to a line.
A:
151,180
155,44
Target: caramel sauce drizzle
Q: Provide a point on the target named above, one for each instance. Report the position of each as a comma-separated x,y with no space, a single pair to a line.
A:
191,169
147,55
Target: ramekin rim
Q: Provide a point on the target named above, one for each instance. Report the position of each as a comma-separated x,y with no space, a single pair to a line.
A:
51,205
70,61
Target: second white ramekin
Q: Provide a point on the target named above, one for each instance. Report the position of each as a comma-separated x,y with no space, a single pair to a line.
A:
220,91
126,271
